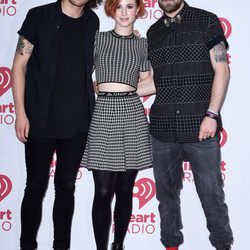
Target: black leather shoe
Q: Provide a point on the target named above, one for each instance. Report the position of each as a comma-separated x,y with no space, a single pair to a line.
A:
117,246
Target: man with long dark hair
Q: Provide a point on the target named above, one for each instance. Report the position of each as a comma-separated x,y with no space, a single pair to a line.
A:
54,99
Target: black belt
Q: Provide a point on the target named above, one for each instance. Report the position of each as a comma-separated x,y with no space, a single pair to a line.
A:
117,94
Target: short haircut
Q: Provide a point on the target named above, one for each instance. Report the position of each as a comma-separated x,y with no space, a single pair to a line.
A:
111,5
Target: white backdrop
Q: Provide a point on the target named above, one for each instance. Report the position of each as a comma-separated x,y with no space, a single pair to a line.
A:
144,227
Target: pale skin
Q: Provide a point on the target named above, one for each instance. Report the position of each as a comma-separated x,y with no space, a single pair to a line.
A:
72,8
23,52
147,87
125,17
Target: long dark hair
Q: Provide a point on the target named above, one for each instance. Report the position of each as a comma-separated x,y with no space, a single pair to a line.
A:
92,4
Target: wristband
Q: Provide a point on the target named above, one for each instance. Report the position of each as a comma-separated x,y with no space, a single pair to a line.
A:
211,111
211,115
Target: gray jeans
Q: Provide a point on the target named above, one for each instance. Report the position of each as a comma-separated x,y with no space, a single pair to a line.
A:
204,158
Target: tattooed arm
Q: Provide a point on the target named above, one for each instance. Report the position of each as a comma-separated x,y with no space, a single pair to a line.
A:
218,58
22,55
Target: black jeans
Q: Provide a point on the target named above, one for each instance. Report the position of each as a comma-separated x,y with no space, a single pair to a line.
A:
39,153
205,162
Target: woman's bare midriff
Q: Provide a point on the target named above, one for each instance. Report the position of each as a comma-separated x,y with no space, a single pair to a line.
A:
115,87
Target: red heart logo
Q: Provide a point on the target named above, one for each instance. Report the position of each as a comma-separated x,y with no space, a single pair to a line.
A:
223,137
5,80
5,186
145,98
226,26
145,191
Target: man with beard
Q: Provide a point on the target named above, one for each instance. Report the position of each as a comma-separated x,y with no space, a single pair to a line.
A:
187,50
54,99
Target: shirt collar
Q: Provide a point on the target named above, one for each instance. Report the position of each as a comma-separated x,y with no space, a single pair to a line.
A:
120,36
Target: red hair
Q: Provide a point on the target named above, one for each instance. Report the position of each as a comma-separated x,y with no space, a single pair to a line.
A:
111,5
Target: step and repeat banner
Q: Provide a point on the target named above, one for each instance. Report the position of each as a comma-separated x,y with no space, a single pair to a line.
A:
143,231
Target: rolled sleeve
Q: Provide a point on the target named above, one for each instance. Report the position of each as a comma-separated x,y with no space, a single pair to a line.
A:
215,33
29,27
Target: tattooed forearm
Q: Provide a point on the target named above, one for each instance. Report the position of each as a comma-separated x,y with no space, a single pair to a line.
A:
20,45
23,46
220,54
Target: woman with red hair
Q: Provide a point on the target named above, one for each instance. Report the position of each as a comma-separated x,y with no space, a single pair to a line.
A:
119,142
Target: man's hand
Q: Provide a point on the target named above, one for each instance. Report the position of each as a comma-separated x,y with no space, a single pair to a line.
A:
22,127
208,128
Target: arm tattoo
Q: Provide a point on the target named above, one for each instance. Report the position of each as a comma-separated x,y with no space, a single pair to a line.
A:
20,45
220,54
23,47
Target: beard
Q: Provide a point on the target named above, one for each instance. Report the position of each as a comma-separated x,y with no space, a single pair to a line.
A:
169,6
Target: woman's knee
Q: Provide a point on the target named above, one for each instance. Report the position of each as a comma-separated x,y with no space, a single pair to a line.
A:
103,194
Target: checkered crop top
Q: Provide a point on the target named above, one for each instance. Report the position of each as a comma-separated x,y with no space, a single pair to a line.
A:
120,58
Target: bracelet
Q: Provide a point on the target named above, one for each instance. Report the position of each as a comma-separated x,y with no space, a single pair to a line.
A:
211,111
211,115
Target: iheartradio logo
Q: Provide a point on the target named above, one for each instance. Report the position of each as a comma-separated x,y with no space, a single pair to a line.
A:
151,10
8,7
145,98
223,137
226,26
8,2
5,80
145,191
5,186
147,102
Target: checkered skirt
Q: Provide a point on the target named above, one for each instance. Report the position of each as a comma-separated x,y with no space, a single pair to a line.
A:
119,137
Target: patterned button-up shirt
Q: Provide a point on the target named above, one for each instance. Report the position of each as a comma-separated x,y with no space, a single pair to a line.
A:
183,73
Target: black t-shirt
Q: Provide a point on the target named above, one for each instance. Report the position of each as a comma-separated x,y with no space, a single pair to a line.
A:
69,102
41,28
